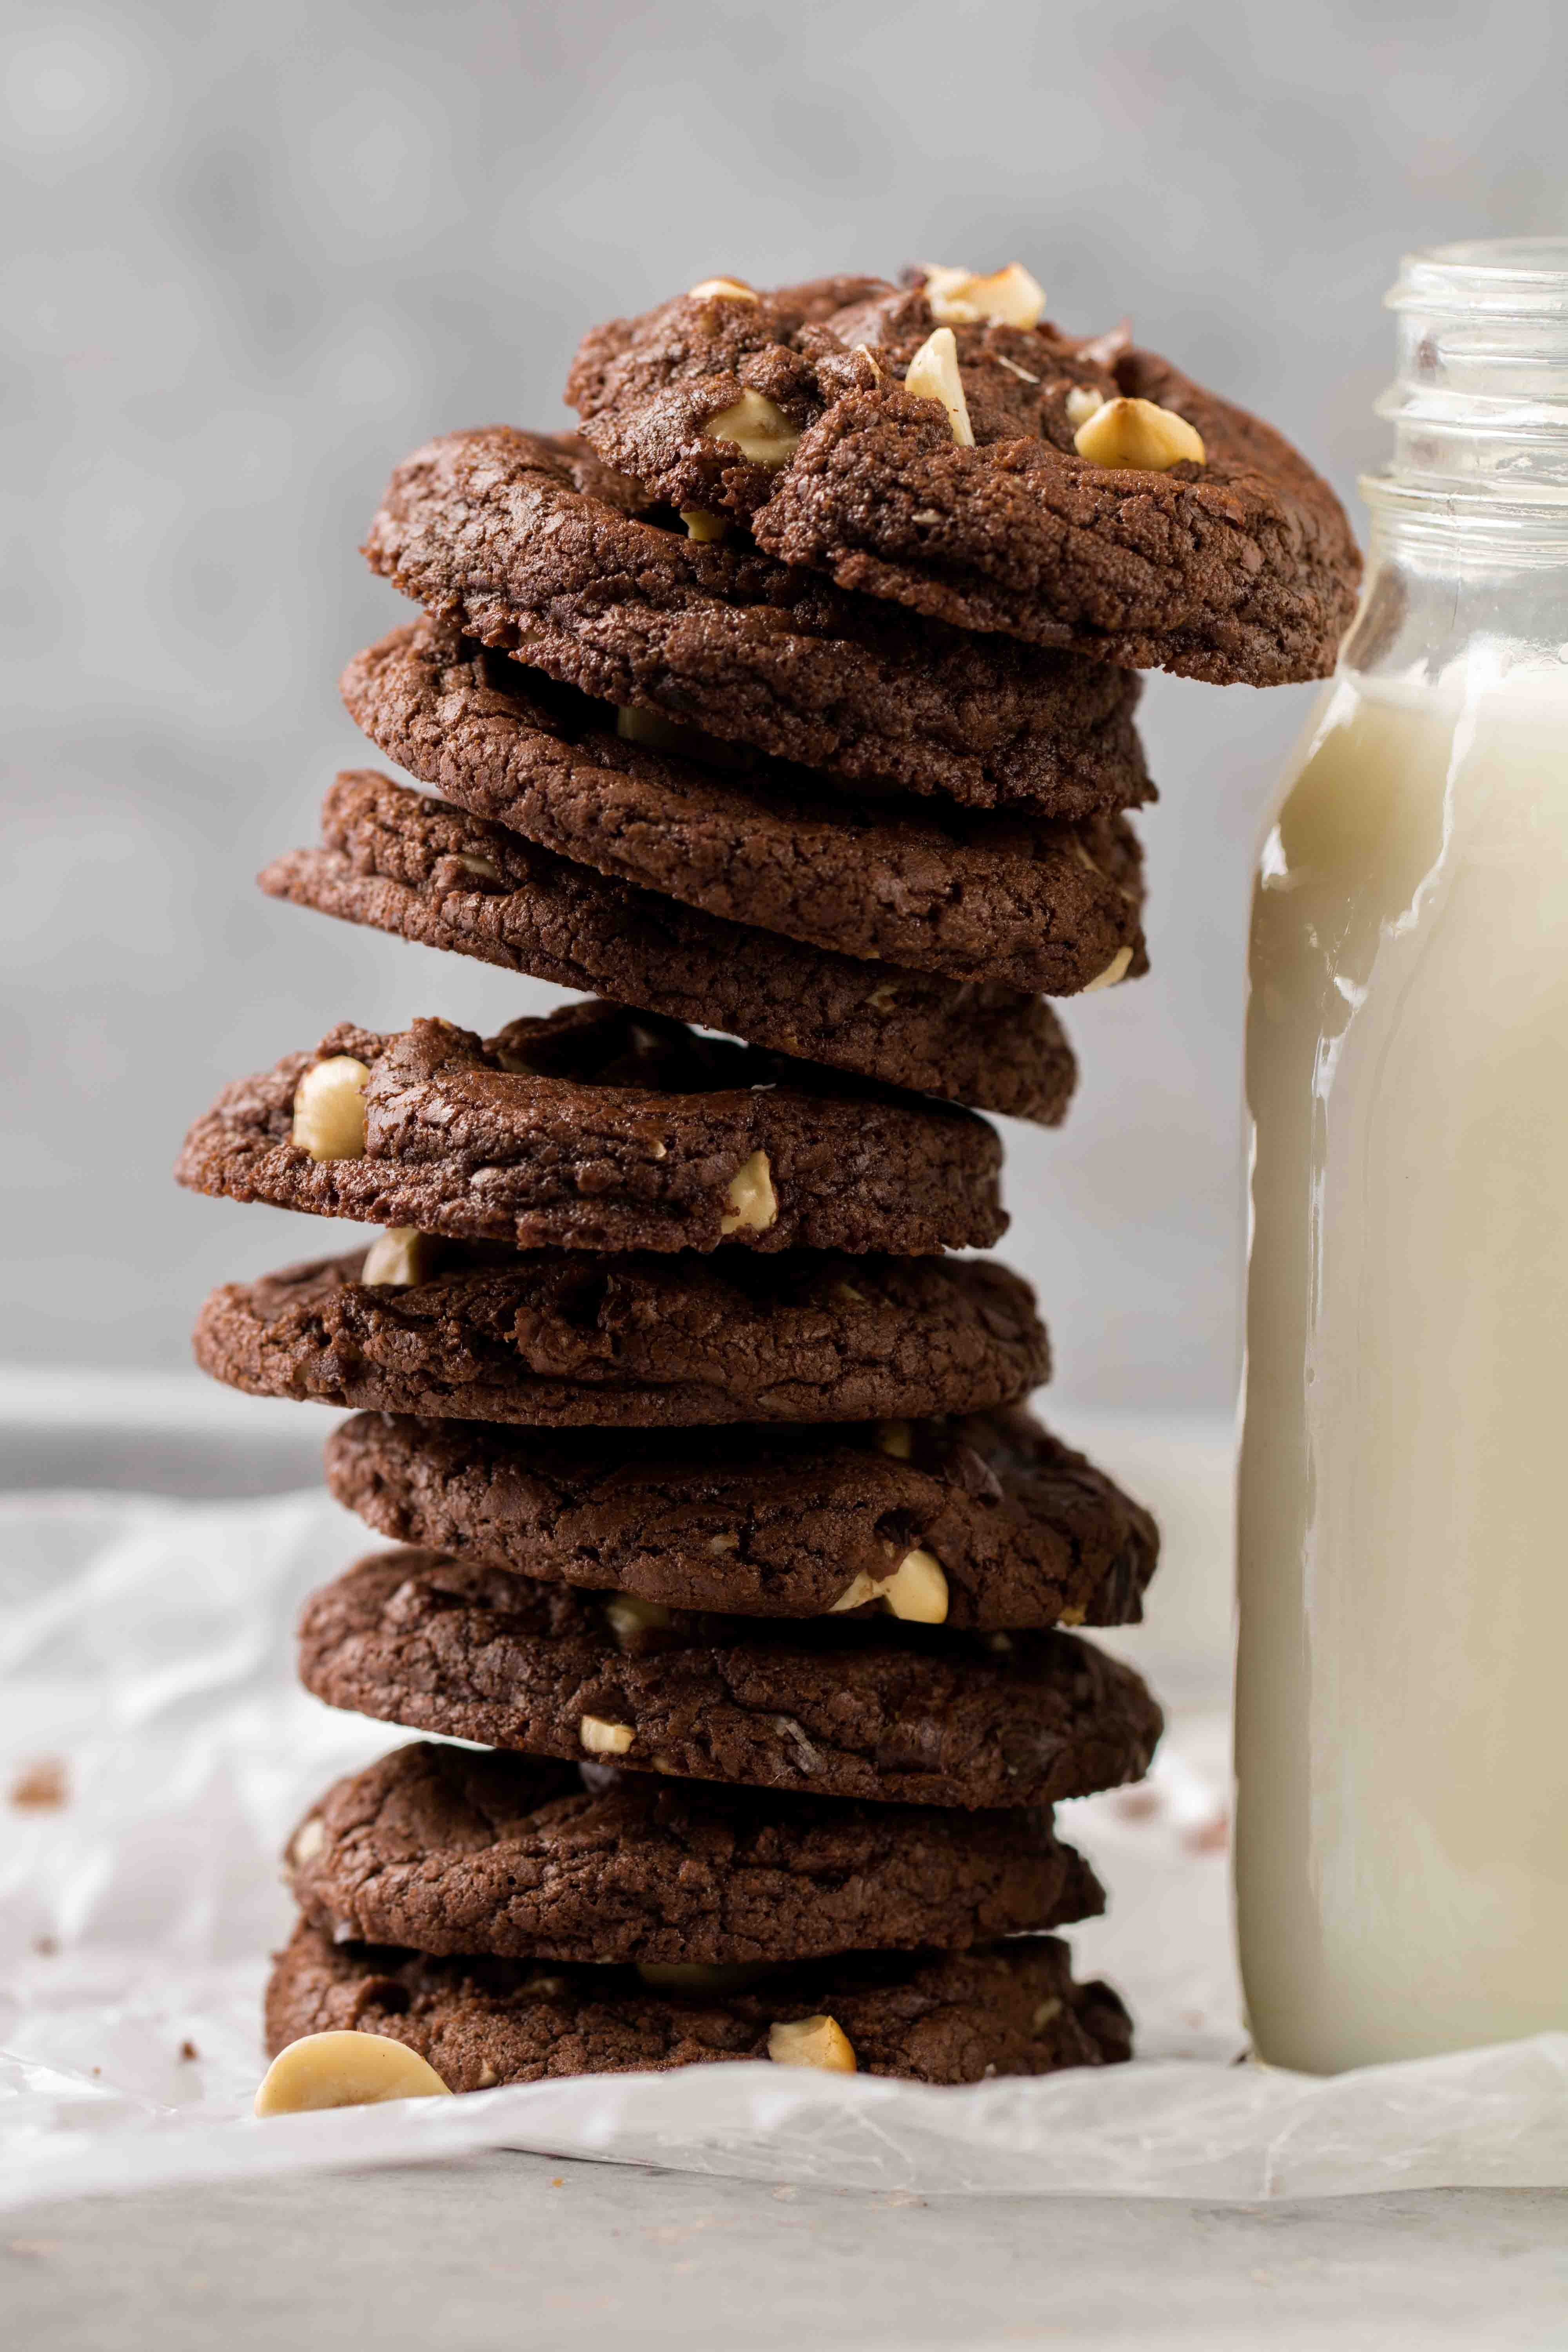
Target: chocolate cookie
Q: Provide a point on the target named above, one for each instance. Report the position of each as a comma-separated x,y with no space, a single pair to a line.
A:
452,1852
1233,563
1000,900
894,1713
597,1128
949,2018
432,874
1007,1526
557,1337
527,543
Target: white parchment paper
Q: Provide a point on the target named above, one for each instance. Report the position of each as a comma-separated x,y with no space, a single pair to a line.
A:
155,1750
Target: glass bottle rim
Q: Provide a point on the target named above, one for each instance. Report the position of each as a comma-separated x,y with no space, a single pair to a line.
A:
1512,276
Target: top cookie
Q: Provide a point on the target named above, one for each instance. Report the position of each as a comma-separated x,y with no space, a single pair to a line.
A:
1018,492
526,542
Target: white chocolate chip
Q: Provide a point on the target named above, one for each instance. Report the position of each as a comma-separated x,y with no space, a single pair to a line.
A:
1114,970
895,1437
1074,1615
1140,434
1007,298
757,426
714,288
630,1616
883,999
846,1292
812,2042
723,1543
1013,367
634,726
1043,2014
697,1976
399,1256
309,1838
344,2069
328,1108
1082,403
916,1592
487,2076
754,1203
703,527
602,1739
485,868
932,374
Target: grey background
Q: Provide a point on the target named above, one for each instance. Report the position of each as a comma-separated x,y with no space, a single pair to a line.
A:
256,254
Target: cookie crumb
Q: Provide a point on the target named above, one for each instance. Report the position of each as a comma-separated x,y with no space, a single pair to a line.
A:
41,1786
188,2050
46,1946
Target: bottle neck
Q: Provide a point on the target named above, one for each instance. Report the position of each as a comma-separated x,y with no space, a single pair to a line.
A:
1469,553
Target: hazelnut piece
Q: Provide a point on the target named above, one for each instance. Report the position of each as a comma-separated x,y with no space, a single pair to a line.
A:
345,2070
754,1203
1007,298
916,1592
602,1739
932,374
758,427
812,2042
1140,433
399,1257
328,1108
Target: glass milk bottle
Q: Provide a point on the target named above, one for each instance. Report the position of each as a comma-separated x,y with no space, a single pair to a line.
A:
1402,1733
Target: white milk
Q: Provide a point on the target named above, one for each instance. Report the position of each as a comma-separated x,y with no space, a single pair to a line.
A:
1401,1740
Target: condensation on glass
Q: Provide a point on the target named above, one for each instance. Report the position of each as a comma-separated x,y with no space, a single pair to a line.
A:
1402,1735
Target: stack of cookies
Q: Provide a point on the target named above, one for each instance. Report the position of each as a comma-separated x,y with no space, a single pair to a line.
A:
795,700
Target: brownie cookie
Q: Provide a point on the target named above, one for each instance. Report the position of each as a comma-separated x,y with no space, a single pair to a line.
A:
897,1713
432,874
451,1852
948,2018
1220,554
1004,1525
597,1128
557,1337
997,899
531,545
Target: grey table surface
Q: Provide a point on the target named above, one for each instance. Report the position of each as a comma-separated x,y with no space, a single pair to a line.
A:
519,2250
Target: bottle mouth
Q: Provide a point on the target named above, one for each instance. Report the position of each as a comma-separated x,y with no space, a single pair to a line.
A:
1479,399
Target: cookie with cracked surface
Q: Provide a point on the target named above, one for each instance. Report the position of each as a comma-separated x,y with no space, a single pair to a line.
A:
993,899
895,1714
424,872
1233,561
447,1852
985,1520
555,1337
598,1129
527,543
956,2017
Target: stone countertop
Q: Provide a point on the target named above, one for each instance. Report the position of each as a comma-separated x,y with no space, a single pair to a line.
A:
509,2250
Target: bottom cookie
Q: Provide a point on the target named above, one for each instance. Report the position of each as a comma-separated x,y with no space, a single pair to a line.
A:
956,2017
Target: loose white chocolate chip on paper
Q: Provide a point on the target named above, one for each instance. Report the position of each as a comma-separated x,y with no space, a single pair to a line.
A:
344,2069
703,527
400,1257
1114,970
713,288
754,1203
757,426
328,1108
1082,403
1007,298
602,1739
630,1616
916,1592
812,2042
1137,433
932,374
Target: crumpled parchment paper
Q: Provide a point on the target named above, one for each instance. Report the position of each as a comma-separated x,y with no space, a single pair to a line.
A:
154,1751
